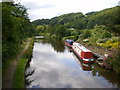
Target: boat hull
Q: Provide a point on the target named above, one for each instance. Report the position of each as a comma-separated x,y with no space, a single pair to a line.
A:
68,45
81,58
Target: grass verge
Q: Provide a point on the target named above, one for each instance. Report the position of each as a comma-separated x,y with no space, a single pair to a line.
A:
19,81
6,63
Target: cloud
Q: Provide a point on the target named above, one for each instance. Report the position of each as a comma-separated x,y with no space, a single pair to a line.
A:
119,3
39,9
62,71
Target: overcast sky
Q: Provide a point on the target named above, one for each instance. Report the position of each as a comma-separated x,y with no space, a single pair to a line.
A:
39,9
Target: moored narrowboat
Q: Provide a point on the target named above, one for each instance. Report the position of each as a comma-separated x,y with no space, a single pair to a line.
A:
84,66
83,53
68,43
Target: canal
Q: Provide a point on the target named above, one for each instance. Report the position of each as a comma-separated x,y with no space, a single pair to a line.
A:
53,65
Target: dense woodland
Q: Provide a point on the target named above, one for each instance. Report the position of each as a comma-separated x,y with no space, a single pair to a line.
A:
107,17
15,28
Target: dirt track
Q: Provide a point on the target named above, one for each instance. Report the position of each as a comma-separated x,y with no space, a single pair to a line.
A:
9,75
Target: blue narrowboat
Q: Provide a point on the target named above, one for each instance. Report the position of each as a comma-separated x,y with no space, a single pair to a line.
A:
68,42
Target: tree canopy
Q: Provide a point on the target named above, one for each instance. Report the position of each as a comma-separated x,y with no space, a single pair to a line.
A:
107,17
15,27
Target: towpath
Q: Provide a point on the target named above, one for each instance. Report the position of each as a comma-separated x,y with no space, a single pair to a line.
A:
9,74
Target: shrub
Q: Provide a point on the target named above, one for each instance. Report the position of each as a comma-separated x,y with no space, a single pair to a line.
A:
74,33
106,35
54,36
102,40
115,62
86,34
93,40
41,34
112,43
71,37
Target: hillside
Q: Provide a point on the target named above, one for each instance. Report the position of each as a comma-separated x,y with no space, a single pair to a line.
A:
107,17
96,29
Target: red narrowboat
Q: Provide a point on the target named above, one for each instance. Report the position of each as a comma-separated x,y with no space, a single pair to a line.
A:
83,53
84,66
68,42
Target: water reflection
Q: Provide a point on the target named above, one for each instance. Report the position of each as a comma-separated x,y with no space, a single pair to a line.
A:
110,76
53,66
58,45
84,66
28,72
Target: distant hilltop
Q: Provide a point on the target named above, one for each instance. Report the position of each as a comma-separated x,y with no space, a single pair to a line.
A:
107,17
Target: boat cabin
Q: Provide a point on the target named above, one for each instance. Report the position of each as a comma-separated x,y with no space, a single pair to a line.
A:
85,54
68,42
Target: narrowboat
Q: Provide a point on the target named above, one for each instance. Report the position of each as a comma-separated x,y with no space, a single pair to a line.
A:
84,66
68,42
83,53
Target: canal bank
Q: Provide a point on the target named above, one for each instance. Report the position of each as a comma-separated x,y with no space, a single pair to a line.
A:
53,62
19,80
105,57
14,69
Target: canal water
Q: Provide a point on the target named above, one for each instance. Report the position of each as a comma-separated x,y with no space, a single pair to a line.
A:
53,65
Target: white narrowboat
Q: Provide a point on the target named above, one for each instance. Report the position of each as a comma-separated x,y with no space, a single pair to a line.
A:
83,53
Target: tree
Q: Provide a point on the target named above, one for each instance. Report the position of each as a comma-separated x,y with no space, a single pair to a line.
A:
74,33
106,34
40,29
86,34
15,27
60,31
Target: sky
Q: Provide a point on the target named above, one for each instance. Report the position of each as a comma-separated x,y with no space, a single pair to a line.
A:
47,9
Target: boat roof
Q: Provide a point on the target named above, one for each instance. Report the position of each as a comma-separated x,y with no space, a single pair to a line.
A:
69,40
82,47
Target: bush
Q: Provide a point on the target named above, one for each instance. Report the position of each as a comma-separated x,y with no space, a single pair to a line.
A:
102,40
106,35
115,62
86,34
71,37
54,36
74,33
93,40
113,43
41,34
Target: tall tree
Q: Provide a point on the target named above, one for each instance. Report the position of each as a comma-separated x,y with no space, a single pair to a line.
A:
15,27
